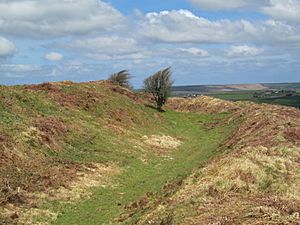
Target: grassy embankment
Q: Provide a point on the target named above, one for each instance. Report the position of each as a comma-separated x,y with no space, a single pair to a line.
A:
50,132
257,182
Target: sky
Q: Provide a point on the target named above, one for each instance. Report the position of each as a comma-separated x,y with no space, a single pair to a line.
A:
204,41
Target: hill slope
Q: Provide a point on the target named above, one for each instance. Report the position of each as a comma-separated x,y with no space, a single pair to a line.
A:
256,182
94,153
83,153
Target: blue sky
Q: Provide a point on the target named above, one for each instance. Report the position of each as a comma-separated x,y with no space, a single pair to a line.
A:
204,41
127,7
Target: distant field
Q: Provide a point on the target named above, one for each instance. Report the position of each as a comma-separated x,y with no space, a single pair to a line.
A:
179,90
295,86
242,92
248,96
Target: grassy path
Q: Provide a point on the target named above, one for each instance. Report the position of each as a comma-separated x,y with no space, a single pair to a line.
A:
138,178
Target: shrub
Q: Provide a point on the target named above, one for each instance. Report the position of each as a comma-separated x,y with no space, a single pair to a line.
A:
121,78
159,85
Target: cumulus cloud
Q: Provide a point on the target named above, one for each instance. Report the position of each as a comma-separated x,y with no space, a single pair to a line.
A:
54,56
182,26
244,50
112,44
156,33
288,10
228,4
102,39
7,48
127,48
109,48
19,67
41,18
195,51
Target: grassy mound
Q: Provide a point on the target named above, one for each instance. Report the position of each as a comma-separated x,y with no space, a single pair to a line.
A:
203,104
95,153
83,153
256,182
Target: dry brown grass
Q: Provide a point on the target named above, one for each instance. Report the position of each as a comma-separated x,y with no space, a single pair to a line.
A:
15,215
47,86
203,104
79,187
162,142
266,125
93,175
51,130
257,182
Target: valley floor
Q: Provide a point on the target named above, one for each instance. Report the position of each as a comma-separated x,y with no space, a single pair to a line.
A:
147,180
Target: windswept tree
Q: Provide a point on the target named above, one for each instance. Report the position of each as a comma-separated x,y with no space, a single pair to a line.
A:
121,78
159,85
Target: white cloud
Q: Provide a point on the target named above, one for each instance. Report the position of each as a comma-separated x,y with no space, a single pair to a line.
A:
54,56
41,18
174,34
288,10
128,48
183,26
244,50
195,51
110,44
7,48
18,68
112,57
228,4
148,42
109,48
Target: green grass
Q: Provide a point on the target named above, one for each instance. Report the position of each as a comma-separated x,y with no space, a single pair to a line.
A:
293,101
139,178
286,101
89,140
233,96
